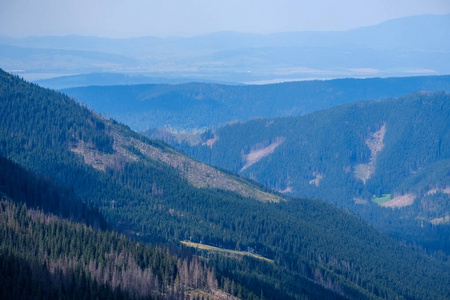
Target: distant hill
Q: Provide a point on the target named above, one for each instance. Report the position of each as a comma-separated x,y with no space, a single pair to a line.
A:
352,155
102,79
402,47
194,106
152,193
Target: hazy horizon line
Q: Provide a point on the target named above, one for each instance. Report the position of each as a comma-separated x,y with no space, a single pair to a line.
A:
215,32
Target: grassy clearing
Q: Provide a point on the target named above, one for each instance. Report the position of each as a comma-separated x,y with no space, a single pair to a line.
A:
211,248
382,199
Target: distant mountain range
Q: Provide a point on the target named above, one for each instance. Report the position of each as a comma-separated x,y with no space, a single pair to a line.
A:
196,106
403,47
108,79
154,194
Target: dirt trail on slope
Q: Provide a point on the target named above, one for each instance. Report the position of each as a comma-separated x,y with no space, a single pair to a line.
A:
256,155
375,144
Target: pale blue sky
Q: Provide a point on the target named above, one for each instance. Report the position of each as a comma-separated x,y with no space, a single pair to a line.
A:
134,18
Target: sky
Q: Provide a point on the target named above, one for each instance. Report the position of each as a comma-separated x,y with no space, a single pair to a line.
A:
163,18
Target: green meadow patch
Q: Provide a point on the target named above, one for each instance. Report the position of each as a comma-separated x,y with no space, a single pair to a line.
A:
382,199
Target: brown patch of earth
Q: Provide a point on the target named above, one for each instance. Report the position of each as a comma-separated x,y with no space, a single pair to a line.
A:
360,201
375,144
400,201
100,160
445,190
316,180
286,190
257,154
197,174
440,221
211,142
213,294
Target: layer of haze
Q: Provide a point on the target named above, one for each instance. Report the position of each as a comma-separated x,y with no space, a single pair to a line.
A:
135,18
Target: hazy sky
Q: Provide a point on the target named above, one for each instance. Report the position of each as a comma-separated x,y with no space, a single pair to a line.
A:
133,18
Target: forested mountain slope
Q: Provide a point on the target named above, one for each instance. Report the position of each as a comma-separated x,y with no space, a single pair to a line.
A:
352,155
155,194
199,105
45,256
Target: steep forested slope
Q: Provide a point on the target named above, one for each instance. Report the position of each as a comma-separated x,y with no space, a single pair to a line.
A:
46,257
353,155
197,105
149,191
41,193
